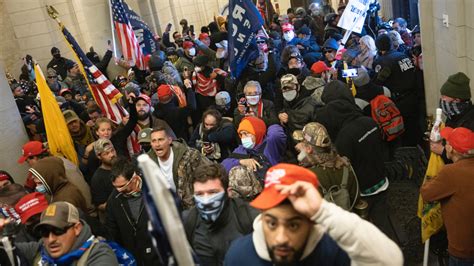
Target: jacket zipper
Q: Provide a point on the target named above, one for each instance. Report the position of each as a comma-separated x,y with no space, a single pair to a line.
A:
129,220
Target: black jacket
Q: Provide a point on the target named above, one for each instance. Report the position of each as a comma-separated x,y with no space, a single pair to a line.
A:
354,135
269,114
59,65
300,111
130,234
235,221
225,135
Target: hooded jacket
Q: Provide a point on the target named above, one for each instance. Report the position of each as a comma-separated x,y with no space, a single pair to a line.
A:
300,111
51,172
100,254
337,238
355,136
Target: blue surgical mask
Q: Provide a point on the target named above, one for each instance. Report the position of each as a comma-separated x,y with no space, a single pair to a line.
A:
210,207
41,189
248,143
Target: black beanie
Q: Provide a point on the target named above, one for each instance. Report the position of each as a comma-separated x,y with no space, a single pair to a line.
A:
201,60
383,43
457,86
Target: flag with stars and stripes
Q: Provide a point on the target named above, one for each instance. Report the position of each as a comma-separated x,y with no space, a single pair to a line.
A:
104,92
131,49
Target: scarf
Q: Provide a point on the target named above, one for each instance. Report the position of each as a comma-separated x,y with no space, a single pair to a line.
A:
68,258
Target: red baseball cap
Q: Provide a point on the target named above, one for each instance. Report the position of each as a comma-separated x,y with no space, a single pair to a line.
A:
284,174
187,44
31,148
144,97
319,67
164,90
203,36
287,27
30,205
460,138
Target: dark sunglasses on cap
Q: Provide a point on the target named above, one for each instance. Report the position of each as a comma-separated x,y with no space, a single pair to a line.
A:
44,231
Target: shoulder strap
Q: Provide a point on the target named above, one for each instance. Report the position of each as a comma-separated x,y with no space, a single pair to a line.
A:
190,224
244,220
239,156
83,259
345,177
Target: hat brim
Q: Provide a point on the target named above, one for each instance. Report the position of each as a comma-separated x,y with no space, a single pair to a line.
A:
269,198
57,224
446,132
22,159
32,212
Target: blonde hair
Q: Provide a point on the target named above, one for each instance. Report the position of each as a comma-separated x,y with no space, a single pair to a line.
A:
369,43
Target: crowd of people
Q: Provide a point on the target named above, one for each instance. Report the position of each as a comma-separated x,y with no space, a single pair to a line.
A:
293,159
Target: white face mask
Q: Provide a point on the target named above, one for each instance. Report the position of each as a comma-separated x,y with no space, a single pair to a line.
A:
192,51
247,143
301,156
288,36
221,54
197,69
253,100
290,95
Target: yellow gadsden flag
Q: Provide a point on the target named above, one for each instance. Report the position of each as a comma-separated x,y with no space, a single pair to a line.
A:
59,139
430,213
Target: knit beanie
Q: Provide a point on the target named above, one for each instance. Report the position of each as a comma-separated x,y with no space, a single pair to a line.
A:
457,86
362,77
254,126
383,43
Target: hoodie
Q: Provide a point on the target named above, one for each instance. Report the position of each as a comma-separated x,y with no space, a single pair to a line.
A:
51,172
338,237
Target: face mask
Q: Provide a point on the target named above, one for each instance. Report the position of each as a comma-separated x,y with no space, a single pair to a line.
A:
247,143
41,189
451,109
192,52
288,36
210,207
290,95
57,56
221,54
302,155
197,69
294,71
253,100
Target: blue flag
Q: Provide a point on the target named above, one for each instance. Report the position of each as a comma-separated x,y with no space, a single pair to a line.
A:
144,34
244,22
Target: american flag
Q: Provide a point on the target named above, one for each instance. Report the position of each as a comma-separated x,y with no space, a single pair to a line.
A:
131,49
105,94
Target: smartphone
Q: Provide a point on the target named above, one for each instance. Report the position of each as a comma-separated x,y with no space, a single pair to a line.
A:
349,73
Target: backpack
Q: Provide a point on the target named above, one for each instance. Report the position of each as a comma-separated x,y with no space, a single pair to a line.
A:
260,158
243,183
387,116
339,194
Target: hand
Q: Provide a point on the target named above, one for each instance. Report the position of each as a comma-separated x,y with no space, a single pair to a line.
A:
30,109
109,46
131,97
437,147
299,46
3,223
90,123
304,197
283,117
125,119
208,149
213,75
241,108
251,164
188,84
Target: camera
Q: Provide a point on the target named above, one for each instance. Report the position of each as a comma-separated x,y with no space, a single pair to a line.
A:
349,73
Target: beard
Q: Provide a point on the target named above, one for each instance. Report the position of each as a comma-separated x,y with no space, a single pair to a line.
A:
142,116
290,260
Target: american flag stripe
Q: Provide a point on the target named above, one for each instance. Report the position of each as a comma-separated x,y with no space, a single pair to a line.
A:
131,49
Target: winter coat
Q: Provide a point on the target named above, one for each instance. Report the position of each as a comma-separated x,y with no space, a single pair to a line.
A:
337,238
269,114
59,65
185,162
131,234
51,172
273,147
355,136
100,254
300,111
225,135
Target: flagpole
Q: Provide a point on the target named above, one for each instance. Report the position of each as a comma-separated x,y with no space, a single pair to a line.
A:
112,28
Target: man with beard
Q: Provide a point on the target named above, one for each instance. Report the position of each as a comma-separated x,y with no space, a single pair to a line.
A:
81,134
101,186
58,63
298,227
145,117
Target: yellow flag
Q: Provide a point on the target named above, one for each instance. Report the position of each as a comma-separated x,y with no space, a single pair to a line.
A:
59,139
430,213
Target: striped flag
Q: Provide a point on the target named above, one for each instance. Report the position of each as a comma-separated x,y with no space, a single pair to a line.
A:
105,94
131,49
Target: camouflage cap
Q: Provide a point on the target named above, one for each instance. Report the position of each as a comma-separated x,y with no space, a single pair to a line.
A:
317,135
288,80
144,136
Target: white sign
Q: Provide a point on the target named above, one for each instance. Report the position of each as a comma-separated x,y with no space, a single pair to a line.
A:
354,15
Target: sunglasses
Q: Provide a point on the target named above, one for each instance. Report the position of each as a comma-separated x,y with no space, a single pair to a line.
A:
45,231
52,77
328,51
261,42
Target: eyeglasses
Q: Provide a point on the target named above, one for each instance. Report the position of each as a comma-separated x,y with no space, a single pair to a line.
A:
261,42
52,77
45,231
327,51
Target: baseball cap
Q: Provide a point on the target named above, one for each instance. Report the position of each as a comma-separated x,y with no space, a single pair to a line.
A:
319,67
187,44
281,174
59,214
31,148
203,36
70,115
287,27
222,98
316,134
163,90
102,145
31,204
460,138
65,90
144,136
145,97
288,79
